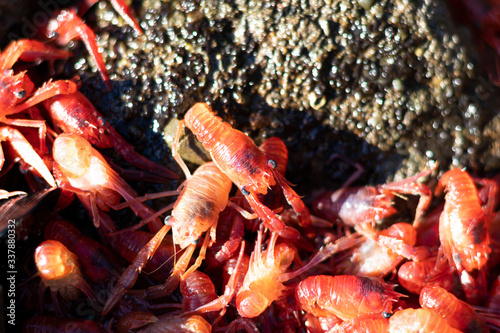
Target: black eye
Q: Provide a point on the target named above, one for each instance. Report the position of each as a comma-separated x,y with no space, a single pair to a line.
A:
244,191
386,315
167,219
20,94
272,164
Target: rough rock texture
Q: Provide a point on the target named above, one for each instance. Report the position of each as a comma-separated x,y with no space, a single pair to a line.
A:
391,84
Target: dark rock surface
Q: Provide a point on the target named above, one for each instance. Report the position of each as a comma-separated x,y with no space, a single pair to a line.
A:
390,84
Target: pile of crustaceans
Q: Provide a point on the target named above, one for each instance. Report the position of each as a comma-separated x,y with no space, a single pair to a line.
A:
224,258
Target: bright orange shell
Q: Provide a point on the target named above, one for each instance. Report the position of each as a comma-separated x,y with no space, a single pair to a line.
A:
233,151
463,229
345,296
54,261
197,209
419,321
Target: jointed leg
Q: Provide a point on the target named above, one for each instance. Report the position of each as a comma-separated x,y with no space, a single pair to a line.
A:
26,152
29,50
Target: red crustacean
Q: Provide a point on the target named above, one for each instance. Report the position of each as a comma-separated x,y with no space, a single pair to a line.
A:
346,296
147,322
428,230
457,313
463,226
315,324
371,204
246,165
218,303
363,324
66,25
275,149
25,151
121,8
98,263
383,251
129,244
59,270
230,266
17,93
204,195
418,321
230,232
197,290
415,275
200,297
75,114
263,283
81,169
463,229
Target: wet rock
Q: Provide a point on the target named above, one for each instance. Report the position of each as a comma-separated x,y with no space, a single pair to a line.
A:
392,84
